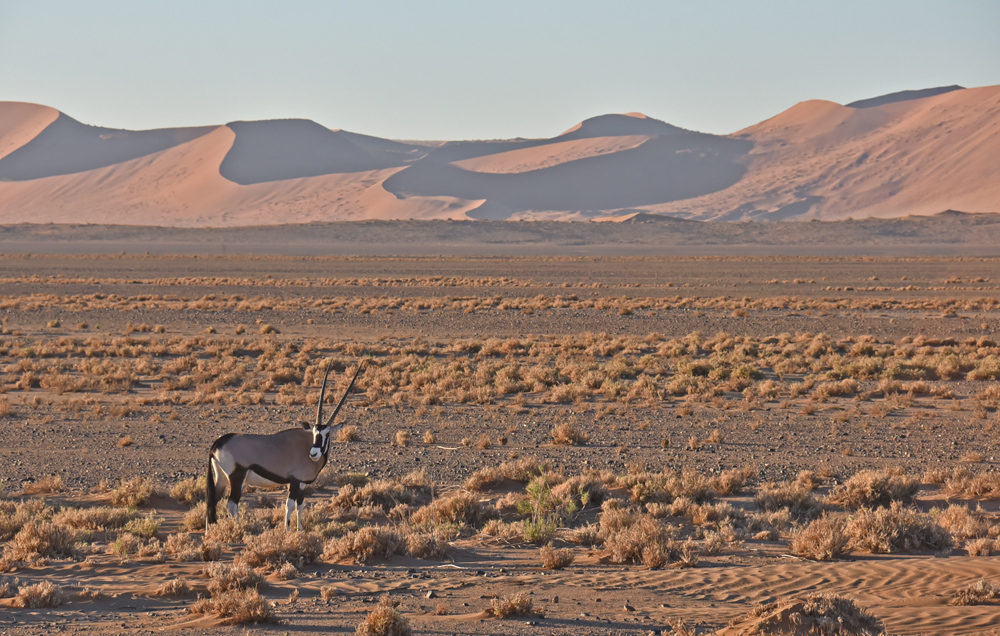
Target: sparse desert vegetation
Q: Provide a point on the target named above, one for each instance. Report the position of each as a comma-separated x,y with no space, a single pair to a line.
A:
557,431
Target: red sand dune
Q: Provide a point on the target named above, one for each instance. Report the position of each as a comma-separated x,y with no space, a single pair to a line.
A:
918,152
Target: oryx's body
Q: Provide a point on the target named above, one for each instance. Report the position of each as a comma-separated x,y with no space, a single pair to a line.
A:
294,456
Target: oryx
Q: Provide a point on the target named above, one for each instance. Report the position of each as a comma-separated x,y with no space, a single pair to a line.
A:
294,456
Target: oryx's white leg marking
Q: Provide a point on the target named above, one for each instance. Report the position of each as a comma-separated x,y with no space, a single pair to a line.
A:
289,506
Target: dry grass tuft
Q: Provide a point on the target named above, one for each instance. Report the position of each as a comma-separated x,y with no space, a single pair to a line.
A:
981,592
384,620
875,488
818,614
173,587
553,559
514,606
236,576
637,538
823,539
189,491
275,547
133,493
236,607
347,434
364,545
895,529
41,539
566,434
39,595
45,485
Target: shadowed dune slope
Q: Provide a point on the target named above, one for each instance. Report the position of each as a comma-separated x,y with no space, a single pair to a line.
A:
294,148
66,146
660,169
903,96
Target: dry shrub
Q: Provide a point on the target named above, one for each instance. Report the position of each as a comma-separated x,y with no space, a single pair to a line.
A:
402,438
225,530
421,545
13,516
46,485
568,435
895,529
461,509
190,490
553,559
9,586
235,576
365,545
823,539
145,527
876,488
277,546
132,493
637,538
173,587
963,483
982,592
961,522
731,482
384,620
347,434
382,494
129,545
328,593
39,595
41,539
582,490
793,496
983,546
521,470
96,519
184,546
287,572
236,607
514,606
818,614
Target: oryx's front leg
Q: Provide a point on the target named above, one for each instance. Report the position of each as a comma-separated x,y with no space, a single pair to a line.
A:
236,479
294,502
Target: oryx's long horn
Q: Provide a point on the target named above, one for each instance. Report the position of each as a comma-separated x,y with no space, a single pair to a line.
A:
346,393
322,394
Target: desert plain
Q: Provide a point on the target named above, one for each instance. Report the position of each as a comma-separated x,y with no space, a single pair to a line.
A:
543,443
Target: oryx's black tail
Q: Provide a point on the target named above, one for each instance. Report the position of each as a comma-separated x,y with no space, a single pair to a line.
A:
211,499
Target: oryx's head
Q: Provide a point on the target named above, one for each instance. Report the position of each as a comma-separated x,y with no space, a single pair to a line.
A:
323,431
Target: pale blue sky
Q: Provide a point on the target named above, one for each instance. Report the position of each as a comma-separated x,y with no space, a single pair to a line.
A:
476,69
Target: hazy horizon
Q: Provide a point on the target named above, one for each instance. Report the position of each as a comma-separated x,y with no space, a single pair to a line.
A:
453,70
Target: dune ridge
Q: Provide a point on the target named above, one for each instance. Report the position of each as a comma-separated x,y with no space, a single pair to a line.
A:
907,153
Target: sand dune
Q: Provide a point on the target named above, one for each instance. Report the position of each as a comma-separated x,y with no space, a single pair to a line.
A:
20,123
914,152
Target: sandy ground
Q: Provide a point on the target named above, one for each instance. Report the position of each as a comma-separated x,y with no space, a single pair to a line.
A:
43,436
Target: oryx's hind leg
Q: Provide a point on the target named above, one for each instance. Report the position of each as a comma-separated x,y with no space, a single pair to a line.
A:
294,502
236,479
216,485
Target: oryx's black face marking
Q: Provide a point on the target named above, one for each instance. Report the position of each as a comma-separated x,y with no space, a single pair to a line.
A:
321,442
